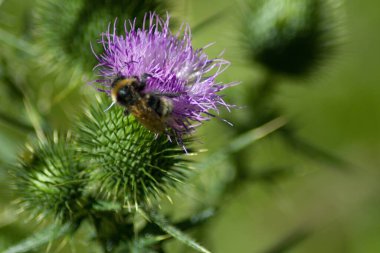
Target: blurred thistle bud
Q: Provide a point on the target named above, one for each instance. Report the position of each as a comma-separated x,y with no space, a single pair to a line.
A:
127,162
292,36
65,29
51,180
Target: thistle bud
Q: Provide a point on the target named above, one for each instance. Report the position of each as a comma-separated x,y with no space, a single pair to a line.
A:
127,162
291,36
51,180
65,29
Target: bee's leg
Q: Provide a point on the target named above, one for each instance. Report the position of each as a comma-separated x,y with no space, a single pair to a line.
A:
126,112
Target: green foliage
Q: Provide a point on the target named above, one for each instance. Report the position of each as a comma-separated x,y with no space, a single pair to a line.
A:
109,156
176,233
40,238
143,244
276,195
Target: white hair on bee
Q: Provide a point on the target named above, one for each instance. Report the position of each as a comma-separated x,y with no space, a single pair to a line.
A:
109,107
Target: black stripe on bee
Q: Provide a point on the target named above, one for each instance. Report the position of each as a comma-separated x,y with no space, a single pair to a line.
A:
160,105
154,102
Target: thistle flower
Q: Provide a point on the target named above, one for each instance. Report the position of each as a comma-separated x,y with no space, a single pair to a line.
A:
173,67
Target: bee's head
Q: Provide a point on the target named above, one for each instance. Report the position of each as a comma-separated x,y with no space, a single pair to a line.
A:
124,92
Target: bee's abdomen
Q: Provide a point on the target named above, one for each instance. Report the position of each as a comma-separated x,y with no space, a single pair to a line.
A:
161,105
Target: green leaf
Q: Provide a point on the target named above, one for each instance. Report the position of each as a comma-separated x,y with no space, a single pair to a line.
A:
196,220
314,152
143,244
160,221
38,239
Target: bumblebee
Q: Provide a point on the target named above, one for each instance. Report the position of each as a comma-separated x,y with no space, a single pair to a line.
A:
152,110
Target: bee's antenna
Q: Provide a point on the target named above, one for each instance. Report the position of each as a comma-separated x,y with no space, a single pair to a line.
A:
109,107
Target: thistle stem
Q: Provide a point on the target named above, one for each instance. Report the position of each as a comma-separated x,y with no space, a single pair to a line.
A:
243,141
111,229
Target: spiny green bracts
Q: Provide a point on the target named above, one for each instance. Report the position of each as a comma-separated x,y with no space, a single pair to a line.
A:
126,161
52,180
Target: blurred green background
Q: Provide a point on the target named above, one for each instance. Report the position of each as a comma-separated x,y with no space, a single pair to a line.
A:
314,207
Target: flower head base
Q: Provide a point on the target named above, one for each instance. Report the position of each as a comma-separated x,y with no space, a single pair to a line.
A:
172,67
125,161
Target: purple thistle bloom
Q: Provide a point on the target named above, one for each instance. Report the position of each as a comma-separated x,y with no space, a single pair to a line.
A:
173,66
